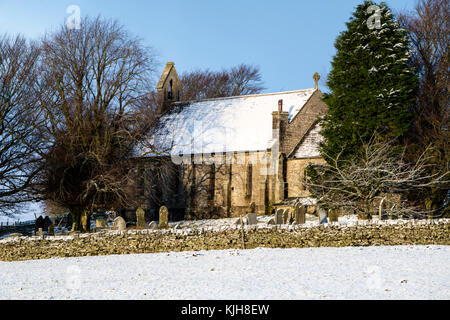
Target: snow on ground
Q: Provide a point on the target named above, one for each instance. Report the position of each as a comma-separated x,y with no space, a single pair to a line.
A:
397,272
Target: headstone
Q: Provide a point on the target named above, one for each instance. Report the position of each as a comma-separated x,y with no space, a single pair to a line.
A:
140,218
322,215
153,225
47,223
251,218
279,216
40,232
333,215
119,224
299,214
271,221
100,223
51,230
163,217
252,207
39,224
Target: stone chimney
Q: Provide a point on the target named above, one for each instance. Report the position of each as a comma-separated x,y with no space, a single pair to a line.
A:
279,123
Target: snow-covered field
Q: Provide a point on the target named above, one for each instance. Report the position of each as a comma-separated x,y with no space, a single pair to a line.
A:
400,272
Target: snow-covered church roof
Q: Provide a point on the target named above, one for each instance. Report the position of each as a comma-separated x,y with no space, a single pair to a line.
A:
242,123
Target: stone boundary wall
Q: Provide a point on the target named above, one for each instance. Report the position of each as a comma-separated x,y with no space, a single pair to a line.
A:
150,241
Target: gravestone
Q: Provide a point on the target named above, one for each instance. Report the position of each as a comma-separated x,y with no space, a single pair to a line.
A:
252,207
163,217
279,216
271,221
300,214
51,230
322,213
333,215
251,218
140,218
39,224
153,225
119,224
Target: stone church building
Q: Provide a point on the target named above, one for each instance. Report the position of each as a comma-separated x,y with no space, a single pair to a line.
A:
214,158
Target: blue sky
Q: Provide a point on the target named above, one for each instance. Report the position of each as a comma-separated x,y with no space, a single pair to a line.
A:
288,39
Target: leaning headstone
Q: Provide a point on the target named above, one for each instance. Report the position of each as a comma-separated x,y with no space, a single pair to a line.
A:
163,217
251,218
153,225
119,224
322,215
279,216
140,218
39,224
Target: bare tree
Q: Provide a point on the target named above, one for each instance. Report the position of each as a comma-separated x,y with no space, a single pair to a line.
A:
205,84
378,172
19,119
429,30
93,82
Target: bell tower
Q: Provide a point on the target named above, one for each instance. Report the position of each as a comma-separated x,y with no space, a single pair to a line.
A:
169,87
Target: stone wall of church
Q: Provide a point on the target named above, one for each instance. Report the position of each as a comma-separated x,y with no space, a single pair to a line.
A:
295,174
202,191
227,189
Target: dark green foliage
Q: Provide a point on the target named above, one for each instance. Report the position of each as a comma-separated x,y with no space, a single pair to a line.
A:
372,86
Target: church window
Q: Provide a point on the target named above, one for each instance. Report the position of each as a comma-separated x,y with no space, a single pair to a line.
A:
212,182
249,180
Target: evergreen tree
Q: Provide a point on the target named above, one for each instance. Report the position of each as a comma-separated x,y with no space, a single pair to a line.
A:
372,85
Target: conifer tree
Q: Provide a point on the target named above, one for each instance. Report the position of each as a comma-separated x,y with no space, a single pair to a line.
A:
372,85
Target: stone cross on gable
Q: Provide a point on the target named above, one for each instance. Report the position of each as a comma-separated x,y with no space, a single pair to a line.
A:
316,78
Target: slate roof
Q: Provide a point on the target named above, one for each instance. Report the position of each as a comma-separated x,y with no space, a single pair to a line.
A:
242,123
